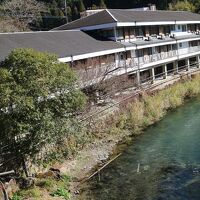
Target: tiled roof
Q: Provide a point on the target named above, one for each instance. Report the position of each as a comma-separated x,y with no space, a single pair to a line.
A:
62,43
102,17
119,15
153,16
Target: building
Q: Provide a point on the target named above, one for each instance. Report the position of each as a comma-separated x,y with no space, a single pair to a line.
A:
142,44
155,42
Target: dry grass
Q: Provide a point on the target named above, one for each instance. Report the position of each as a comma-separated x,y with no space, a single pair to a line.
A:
151,108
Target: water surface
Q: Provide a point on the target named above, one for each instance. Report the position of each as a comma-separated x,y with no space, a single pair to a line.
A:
161,164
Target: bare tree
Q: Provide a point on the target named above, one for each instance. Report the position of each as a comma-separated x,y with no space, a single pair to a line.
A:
23,10
103,81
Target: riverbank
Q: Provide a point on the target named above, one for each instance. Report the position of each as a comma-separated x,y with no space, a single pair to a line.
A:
162,163
130,120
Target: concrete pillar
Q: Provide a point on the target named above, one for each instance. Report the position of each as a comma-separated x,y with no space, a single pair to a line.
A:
198,61
187,64
175,67
164,71
115,34
138,78
152,74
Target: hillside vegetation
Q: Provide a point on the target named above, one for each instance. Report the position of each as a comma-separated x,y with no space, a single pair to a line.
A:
46,14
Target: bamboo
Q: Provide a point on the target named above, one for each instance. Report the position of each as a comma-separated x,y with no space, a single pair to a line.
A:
99,170
7,173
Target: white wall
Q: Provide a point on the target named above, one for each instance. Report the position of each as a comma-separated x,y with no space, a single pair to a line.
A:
183,48
179,30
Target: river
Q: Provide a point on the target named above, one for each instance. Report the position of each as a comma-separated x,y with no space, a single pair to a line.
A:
161,164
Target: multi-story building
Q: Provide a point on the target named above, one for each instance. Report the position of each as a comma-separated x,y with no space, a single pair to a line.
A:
154,42
110,43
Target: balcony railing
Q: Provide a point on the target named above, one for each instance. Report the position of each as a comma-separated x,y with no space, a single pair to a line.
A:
147,59
150,58
95,74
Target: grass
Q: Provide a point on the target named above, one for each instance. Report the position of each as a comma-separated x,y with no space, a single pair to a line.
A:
151,108
47,186
133,118
33,192
62,192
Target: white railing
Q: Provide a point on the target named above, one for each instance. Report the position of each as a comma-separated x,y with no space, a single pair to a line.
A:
151,58
146,59
156,57
97,73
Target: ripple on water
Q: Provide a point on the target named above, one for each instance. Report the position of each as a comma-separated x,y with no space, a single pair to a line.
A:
168,155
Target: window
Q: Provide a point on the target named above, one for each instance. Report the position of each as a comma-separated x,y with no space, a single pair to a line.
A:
180,45
139,53
173,46
172,27
179,27
120,33
150,51
138,31
184,28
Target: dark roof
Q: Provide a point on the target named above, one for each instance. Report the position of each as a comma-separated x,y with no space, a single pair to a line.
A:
62,43
153,16
102,17
119,15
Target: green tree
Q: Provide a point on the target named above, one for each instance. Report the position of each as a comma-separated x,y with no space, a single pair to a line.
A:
75,13
81,6
102,4
38,101
182,6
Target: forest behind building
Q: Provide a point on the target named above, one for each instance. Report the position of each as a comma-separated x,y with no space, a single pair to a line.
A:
27,15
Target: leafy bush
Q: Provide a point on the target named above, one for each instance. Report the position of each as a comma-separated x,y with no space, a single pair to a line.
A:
62,192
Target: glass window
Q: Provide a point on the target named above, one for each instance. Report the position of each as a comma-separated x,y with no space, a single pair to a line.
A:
139,53
184,28
120,32
172,27
173,46
139,32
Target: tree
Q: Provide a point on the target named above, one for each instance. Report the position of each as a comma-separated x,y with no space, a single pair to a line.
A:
75,13
102,4
81,6
38,102
23,10
182,6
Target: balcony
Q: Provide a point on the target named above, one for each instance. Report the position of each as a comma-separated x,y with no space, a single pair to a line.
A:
147,59
143,61
184,51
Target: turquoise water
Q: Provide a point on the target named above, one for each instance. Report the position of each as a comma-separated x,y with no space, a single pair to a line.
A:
161,164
